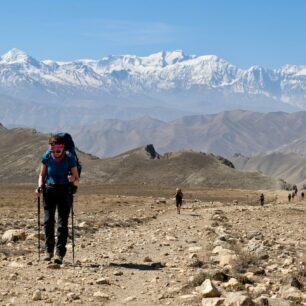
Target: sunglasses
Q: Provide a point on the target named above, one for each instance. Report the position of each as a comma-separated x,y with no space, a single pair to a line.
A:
57,148
58,151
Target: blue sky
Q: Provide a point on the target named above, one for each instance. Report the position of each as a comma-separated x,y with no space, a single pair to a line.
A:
269,33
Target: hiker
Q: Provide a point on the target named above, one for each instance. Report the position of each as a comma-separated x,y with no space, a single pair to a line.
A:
295,189
178,199
262,199
292,195
289,197
58,176
302,195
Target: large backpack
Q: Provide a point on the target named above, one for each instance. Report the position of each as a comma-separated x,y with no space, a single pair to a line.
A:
70,149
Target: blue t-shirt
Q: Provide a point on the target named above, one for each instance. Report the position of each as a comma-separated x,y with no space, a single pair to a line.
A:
57,172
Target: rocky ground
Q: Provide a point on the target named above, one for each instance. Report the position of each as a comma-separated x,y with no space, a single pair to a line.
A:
131,247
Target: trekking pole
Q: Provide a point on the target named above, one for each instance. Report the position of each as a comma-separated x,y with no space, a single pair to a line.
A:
72,231
38,226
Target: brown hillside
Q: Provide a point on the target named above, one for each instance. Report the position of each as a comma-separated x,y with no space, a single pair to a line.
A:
20,154
180,168
21,150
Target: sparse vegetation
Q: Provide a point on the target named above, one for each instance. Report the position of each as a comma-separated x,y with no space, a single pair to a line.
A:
300,274
225,161
285,185
244,261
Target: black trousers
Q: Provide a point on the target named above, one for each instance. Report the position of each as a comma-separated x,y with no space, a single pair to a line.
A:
59,198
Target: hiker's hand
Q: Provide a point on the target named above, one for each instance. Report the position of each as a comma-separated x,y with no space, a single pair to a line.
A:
73,180
38,191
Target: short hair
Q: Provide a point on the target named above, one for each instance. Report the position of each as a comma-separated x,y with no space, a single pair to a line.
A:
56,139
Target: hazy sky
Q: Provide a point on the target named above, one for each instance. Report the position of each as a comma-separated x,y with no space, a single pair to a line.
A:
269,33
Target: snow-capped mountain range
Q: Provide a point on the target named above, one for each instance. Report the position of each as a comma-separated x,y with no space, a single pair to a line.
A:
165,85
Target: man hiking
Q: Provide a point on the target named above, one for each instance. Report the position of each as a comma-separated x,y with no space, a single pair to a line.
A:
178,199
58,174
262,199
292,195
295,189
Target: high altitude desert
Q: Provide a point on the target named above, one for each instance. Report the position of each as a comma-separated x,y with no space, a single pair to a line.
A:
152,97
131,246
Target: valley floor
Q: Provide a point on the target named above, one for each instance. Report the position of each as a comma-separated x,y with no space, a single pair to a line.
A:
131,247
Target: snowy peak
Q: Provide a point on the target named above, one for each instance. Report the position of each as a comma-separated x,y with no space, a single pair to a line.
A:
293,70
155,60
174,57
165,58
161,73
14,55
18,56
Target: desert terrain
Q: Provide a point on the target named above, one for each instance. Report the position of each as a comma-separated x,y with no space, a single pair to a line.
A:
132,248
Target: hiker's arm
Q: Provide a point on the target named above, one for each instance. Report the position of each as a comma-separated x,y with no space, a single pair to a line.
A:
42,175
41,179
74,177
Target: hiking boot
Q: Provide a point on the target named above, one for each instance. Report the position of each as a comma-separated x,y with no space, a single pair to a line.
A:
58,259
48,256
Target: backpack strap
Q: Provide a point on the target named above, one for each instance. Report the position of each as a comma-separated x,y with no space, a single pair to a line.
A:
48,158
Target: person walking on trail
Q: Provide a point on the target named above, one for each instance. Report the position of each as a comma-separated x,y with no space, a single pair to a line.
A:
289,197
58,175
302,195
292,195
295,189
178,199
262,199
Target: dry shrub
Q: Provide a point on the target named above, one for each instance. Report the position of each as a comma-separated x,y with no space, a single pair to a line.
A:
285,185
244,261
301,271
198,279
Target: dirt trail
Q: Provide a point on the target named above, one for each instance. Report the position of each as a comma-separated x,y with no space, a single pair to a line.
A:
136,250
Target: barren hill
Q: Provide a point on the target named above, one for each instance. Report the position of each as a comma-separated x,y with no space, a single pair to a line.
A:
287,166
180,168
226,133
298,146
20,153
21,150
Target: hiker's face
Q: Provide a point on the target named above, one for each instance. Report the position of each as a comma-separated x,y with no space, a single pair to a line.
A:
57,149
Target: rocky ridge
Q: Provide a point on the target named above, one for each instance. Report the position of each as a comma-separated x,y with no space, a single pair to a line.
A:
21,151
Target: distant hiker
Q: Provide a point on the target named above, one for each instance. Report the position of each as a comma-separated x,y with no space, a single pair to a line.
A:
302,195
262,199
57,178
178,199
292,195
289,197
295,189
